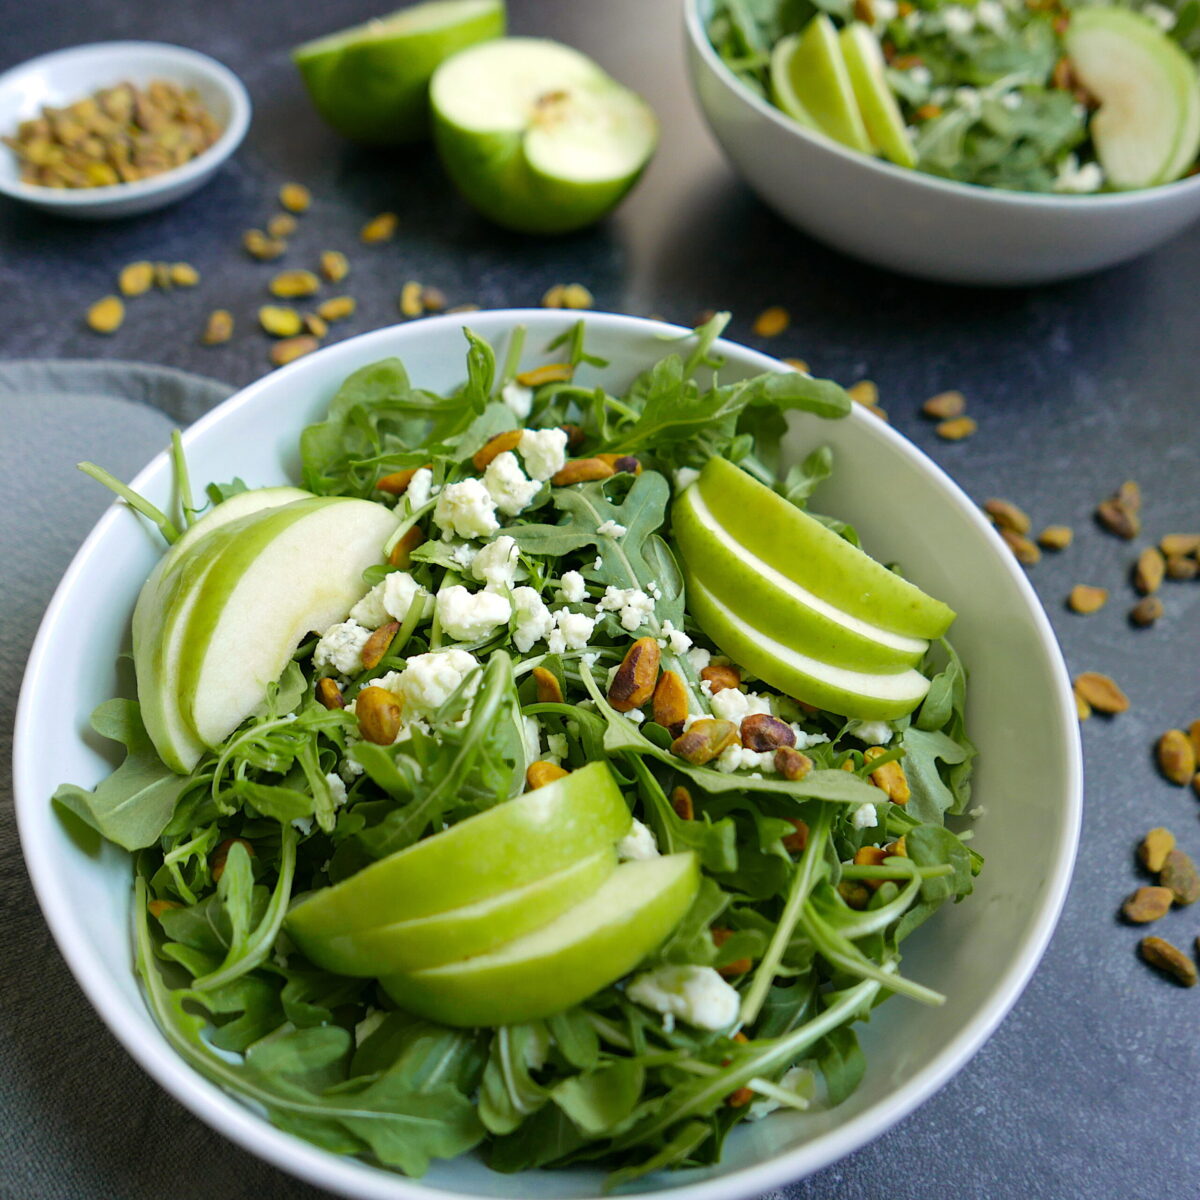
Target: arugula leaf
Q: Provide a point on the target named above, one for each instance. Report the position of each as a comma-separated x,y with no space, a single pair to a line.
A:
135,803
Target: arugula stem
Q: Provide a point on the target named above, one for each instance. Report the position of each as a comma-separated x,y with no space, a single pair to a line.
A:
259,944
138,503
182,480
804,878
512,357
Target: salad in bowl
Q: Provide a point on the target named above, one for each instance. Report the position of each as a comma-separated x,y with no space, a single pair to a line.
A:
543,773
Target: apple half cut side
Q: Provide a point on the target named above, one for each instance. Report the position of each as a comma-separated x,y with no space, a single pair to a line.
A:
509,846
371,82
536,136
859,694
868,77
585,949
768,599
458,932
1147,128
811,84
813,556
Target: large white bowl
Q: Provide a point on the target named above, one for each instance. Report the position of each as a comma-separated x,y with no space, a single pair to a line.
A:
980,953
64,76
915,223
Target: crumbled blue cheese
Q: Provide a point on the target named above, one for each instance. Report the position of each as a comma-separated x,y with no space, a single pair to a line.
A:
496,564
699,658
518,399
544,452
556,746
1072,177
921,76
958,19
865,816
991,15
1011,101
695,995
471,616
508,485
674,639
465,509
337,789
883,11
871,733
573,587
732,704
612,529
969,100
463,554
531,619
634,606
531,736
420,489
389,600
638,844
429,680
738,758
571,631
805,739
341,647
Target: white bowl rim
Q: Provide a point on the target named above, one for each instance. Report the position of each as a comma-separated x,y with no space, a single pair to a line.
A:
1060,201
208,160
350,1177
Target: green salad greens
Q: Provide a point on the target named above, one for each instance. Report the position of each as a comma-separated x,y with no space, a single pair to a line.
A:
993,92
796,929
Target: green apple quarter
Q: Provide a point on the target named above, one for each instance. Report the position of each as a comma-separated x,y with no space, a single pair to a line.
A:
371,82
587,948
536,136
1147,128
458,932
507,847
880,113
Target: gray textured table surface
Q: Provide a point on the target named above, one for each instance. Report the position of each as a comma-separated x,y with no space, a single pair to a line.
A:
1090,1087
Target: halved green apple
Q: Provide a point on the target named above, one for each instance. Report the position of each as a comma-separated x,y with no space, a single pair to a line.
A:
810,82
769,599
371,83
880,113
816,558
585,949
866,696
509,846
458,932
536,136
1147,128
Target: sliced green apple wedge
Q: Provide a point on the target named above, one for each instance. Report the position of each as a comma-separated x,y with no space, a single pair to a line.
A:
769,599
536,136
458,932
371,82
295,569
865,696
160,616
816,558
587,948
509,846
1147,128
876,103
810,82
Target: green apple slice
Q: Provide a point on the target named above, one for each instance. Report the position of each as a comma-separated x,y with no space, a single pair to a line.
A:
858,694
587,948
816,558
459,932
161,613
371,83
876,102
808,74
276,577
769,599
509,846
1147,128
536,136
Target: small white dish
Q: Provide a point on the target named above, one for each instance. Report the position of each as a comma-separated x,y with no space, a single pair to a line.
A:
915,223
64,76
1021,714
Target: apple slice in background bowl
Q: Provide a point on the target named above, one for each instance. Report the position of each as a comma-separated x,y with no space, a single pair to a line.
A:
1021,715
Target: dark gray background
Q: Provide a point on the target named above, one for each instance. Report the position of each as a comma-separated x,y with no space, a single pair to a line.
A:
1091,1087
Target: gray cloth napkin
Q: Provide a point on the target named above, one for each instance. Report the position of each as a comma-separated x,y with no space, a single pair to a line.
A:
78,1118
